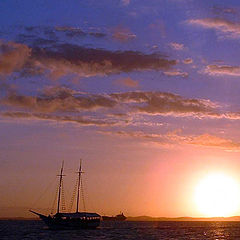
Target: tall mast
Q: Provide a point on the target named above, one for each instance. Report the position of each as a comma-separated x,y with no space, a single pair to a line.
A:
79,183
60,188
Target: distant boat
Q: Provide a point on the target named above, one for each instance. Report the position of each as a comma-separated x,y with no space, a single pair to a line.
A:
75,220
119,217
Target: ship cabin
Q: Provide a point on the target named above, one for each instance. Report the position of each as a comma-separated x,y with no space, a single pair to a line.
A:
83,216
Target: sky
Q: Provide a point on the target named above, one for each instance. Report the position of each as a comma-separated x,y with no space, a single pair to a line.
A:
145,92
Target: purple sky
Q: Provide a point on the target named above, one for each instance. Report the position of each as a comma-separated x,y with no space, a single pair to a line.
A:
146,92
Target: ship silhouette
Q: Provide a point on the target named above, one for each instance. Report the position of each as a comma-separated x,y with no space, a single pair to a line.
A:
70,220
119,217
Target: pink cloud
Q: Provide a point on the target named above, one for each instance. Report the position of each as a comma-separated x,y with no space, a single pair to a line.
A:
222,70
177,46
176,73
127,82
225,26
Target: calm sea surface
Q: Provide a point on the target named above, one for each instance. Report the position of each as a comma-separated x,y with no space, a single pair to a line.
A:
11,230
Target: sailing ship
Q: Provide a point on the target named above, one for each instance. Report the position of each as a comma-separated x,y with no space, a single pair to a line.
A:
70,220
119,217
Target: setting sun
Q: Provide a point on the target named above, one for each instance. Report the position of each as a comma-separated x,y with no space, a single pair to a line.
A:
217,195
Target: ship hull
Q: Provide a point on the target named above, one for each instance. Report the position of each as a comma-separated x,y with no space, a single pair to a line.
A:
59,221
70,224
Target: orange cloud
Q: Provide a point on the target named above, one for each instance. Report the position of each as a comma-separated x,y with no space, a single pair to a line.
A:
13,57
167,104
214,141
174,138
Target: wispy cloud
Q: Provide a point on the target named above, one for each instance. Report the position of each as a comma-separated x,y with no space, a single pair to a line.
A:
123,34
214,141
78,32
140,135
70,31
56,118
220,10
52,33
176,73
187,61
125,2
127,82
230,28
222,70
177,46
177,138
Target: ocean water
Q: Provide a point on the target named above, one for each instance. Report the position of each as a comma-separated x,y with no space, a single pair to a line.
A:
11,230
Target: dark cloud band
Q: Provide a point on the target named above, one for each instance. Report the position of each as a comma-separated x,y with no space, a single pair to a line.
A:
62,59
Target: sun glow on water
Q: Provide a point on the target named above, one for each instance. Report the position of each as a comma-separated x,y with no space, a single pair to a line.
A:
217,195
